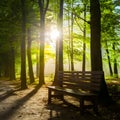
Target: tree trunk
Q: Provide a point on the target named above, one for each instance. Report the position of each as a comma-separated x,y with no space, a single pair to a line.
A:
23,47
37,64
84,41
115,62
68,49
7,65
96,57
30,66
71,42
12,61
55,82
59,46
109,62
42,38
60,22
56,65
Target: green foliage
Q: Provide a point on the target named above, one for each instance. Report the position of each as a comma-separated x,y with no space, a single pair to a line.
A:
10,28
110,20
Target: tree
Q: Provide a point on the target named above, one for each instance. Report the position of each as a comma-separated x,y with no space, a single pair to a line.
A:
115,62
59,45
109,61
23,47
12,60
9,24
60,26
84,41
96,57
109,29
56,82
43,8
71,40
30,66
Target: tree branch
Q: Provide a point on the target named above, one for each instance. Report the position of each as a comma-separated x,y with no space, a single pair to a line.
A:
47,4
76,15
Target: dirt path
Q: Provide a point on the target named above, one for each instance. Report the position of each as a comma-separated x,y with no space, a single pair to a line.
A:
21,104
31,104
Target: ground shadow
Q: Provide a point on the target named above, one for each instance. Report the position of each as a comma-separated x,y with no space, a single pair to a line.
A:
66,111
8,94
8,88
6,115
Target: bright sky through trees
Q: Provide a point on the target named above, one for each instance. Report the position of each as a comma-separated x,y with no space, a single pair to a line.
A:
51,35
54,33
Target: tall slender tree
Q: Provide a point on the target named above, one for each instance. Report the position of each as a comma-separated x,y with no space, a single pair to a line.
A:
60,23
115,62
23,47
43,5
12,59
84,40
57,51
59,44
109,60
30,66
71,40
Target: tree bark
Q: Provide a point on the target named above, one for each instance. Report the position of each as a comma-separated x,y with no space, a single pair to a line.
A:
12,61
96,57
60,22
71,40
43,9
23,47
59,45
37,64
84,41
115,62
109,62
30,66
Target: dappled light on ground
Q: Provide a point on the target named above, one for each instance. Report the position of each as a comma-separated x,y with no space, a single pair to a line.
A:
31,104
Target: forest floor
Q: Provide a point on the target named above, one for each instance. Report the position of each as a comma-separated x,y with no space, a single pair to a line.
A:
31,104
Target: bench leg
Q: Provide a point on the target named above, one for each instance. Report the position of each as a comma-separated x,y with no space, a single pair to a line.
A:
95,107
81,106
49,96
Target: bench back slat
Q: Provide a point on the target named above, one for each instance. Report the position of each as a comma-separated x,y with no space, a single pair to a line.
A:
87,81
82,86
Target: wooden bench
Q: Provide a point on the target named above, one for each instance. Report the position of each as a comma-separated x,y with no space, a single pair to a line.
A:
83,85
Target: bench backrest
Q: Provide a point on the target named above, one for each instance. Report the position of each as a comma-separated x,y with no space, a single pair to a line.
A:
87,81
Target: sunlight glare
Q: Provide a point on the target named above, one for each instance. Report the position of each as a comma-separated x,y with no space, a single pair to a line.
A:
54,34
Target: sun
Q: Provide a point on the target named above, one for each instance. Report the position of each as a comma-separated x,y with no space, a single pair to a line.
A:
52,36
54,33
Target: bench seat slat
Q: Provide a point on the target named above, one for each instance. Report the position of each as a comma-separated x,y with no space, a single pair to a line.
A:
72,91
